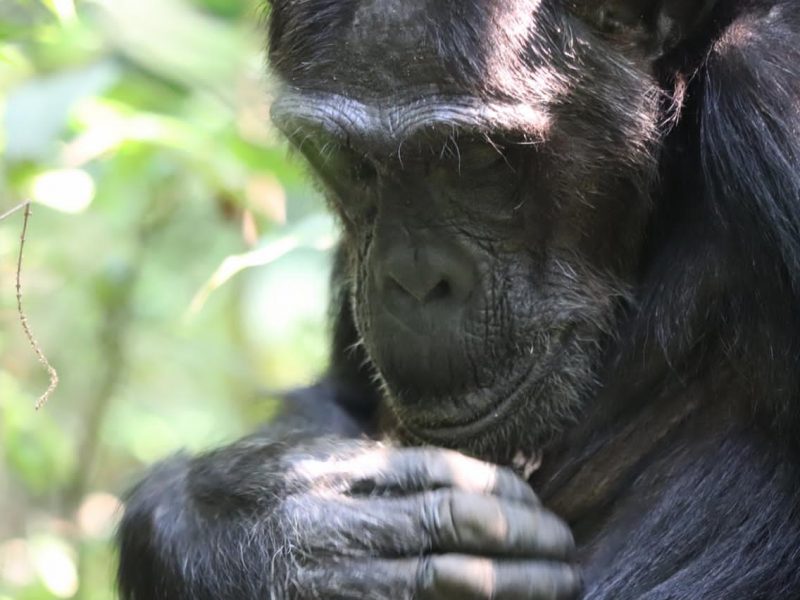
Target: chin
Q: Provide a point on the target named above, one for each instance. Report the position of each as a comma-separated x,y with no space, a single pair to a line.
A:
529,405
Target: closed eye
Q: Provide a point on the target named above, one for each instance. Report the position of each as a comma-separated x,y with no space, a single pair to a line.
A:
474,155
334,162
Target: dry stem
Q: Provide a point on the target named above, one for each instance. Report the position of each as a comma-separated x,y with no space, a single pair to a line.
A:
23,318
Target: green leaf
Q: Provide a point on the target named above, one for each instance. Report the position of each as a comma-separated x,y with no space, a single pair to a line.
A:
37,111
317,231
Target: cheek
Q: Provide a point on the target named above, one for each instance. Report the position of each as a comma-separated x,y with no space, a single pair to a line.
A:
614,235
360,246
598,207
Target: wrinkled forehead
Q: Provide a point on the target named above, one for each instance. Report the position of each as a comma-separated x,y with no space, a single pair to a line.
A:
380,47
377,72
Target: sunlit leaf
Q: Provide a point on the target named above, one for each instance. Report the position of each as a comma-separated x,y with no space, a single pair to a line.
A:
318,232
63,9
54,561
65,190
37,111
169,39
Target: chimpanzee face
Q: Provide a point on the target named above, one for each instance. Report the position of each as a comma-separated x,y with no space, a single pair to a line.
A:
490,163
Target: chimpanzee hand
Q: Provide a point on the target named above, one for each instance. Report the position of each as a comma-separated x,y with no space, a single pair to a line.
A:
377,522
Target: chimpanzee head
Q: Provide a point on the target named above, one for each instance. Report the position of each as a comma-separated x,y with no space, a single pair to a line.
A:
492,163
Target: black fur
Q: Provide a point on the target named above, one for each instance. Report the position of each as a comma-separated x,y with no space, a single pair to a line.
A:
670,426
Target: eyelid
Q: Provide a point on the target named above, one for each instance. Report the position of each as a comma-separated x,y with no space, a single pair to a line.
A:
483,156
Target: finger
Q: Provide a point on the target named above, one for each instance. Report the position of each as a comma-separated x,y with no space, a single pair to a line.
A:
486,525
440,521
385,470
443,577
471,578
425,468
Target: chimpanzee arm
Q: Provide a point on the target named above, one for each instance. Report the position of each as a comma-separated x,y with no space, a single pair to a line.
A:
194,527
205,527
287,515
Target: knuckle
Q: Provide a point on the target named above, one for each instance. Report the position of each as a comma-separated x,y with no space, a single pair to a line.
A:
567,582
508,480
454,576
493,477
438,517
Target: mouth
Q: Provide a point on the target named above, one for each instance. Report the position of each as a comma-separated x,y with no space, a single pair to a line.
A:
524,388
490,417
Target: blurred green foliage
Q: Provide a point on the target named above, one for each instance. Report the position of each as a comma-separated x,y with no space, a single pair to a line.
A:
139,129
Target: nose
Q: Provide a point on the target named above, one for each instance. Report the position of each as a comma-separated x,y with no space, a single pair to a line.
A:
426,274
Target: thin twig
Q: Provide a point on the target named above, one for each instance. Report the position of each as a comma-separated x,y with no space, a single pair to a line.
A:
20,206
23,319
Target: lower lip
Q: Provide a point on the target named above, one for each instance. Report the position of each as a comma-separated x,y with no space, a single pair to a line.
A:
497,413
524,390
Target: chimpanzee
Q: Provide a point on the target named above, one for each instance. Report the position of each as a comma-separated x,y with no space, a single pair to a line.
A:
569,263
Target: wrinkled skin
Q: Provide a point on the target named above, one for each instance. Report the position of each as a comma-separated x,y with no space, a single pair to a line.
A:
484,282
569,262
449,526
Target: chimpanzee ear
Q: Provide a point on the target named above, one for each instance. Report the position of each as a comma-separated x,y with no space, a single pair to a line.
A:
655,25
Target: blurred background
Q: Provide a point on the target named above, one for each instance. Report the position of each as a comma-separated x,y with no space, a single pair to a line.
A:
175,265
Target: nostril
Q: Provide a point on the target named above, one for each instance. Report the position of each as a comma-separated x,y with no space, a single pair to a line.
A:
439,292
420,291
426,276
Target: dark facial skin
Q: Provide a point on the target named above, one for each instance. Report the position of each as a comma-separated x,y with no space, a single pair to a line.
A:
492,227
